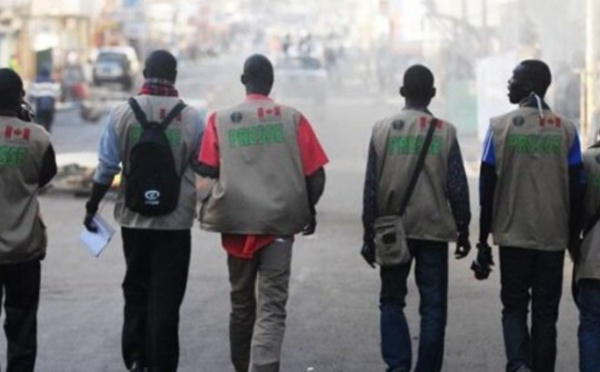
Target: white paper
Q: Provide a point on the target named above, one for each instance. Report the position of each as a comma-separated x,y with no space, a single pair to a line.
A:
96,242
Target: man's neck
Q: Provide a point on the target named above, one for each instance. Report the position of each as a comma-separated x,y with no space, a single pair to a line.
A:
416,107
257,90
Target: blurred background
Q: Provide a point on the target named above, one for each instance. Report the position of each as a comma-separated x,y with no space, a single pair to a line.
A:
472,45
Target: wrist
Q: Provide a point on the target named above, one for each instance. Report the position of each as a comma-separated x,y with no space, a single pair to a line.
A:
91,207
483,238
483,246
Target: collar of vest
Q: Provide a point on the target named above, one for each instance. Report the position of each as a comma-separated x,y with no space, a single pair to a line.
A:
256,96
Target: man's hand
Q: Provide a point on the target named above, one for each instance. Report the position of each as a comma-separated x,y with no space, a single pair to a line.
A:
88,220
91,207
482,265
310,228
463,246
368,253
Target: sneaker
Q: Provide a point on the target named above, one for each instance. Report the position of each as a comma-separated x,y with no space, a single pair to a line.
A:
523,369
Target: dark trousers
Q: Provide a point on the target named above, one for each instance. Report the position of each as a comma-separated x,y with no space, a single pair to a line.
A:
431,275
154,286
588,301
528,274
45,118
20,288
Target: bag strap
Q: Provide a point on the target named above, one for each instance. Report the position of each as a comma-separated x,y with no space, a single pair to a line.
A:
138,112
172,115
419,166
143,120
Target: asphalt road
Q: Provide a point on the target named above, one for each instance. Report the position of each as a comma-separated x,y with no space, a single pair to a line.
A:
333,323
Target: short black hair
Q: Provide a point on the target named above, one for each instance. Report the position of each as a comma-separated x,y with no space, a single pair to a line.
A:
161,64
11,89
418,82
258,70
538,73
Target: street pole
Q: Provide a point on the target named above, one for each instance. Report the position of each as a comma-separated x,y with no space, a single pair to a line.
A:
590,72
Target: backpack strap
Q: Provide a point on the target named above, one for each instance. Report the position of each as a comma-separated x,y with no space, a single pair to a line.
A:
143,120
138,112
172,115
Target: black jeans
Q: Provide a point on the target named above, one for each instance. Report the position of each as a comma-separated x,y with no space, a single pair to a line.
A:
588,301
528,274
154,286
20,287
45,119
431,275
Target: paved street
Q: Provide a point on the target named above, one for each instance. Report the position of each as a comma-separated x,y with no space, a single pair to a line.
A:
333,309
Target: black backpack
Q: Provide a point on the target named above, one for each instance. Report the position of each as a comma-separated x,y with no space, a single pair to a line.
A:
152,182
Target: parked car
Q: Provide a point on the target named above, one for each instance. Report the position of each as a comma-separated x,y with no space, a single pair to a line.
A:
301,77
116,65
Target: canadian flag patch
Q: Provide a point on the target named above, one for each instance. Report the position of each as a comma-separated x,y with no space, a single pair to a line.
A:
11,132
264,113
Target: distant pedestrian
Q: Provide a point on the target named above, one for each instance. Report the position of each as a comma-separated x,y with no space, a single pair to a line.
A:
436,211
27,163
44,93
155,137
531,188
268,166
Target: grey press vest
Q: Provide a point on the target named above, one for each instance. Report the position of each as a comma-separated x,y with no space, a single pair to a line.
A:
398,141
588,266
22,231
531,200
181,134
261,187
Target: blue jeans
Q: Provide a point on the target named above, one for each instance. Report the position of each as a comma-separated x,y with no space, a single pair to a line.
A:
431,275
588,300
530,275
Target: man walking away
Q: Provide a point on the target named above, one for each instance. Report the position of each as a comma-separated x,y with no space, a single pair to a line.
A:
27,163
44,92
531,187
587,266
155,137
268,166
437,212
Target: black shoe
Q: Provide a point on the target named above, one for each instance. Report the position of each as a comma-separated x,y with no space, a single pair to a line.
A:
138,367
523,369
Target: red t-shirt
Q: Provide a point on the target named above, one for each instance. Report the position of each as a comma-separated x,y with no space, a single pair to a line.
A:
313,158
